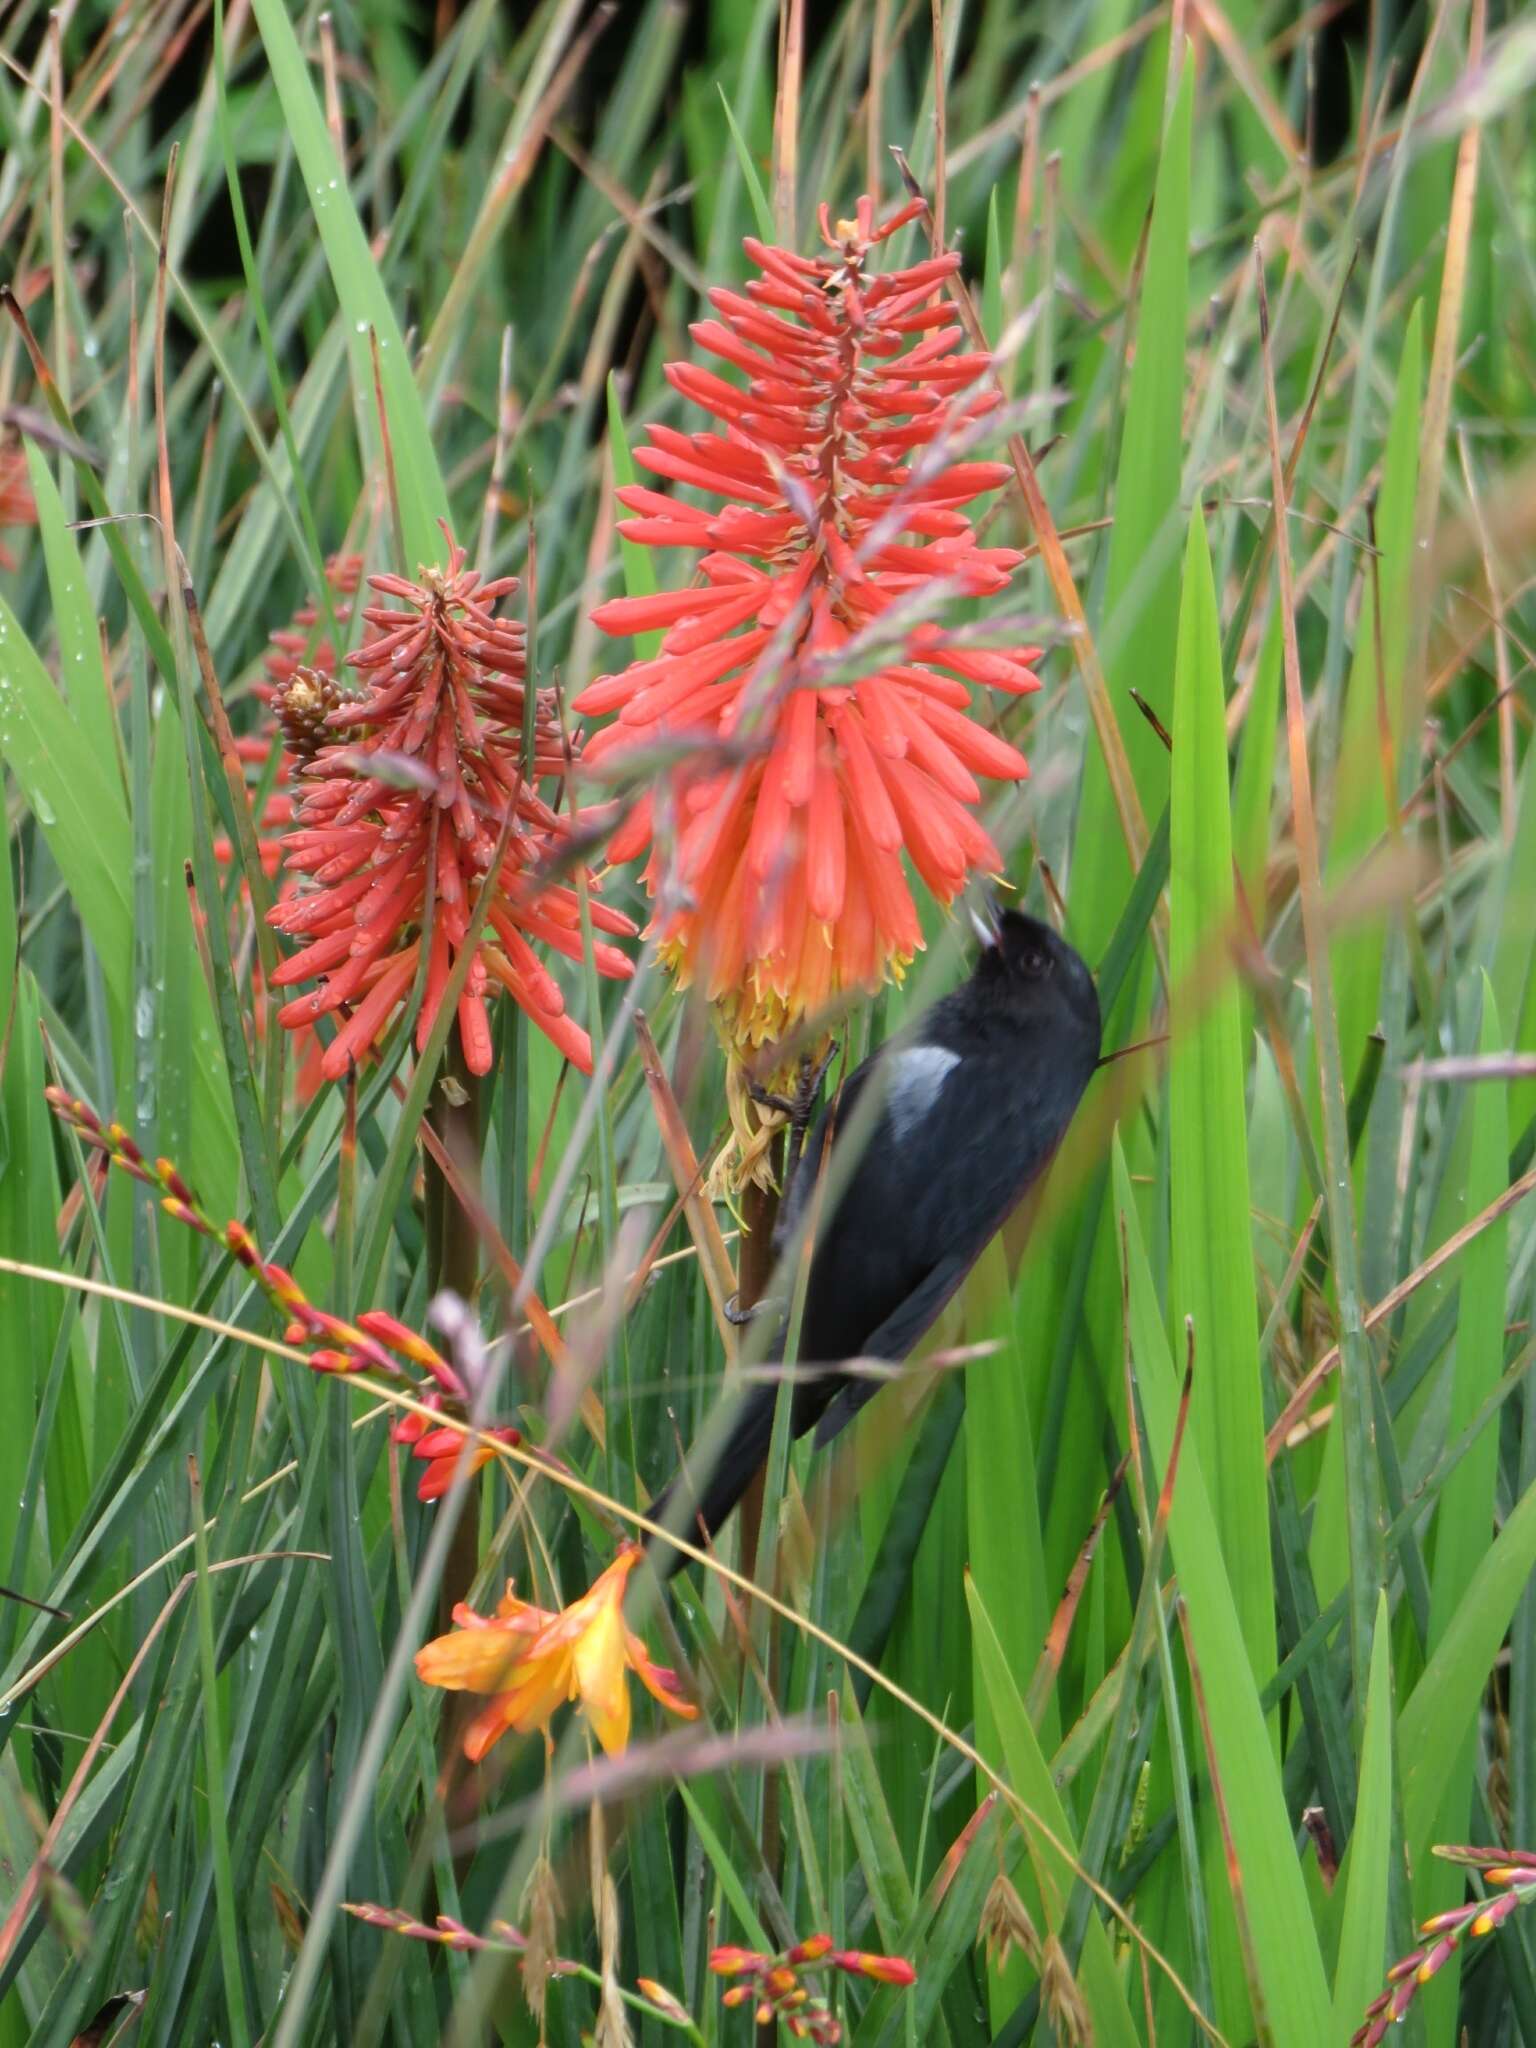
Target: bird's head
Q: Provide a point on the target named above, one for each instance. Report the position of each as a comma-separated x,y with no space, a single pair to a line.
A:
1043,979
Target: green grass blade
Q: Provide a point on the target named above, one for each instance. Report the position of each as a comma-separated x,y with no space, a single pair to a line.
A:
365,306
762,212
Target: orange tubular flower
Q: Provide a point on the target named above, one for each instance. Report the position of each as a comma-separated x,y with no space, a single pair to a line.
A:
531,1661
844,499
400,825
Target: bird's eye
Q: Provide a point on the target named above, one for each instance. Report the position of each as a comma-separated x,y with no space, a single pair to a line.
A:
1036,961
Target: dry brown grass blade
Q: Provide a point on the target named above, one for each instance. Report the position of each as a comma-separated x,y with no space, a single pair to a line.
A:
688,1177
1066,1612
1237,60
1296,1407
1442,375
786,118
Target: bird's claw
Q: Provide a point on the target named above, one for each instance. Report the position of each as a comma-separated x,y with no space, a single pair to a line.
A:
735,1313
766,1099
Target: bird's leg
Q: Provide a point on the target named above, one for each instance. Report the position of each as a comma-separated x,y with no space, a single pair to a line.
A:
801,1111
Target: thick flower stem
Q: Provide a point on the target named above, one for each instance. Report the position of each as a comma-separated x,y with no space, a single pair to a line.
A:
453,1261
759,1212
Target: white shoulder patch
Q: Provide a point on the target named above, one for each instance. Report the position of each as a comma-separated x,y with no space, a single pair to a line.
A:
915,1076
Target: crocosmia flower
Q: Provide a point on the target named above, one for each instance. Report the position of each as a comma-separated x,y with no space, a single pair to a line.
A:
814,717
400,824
531,1661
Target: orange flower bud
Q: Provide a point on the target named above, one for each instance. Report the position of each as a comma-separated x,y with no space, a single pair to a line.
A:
811,1950
884,1969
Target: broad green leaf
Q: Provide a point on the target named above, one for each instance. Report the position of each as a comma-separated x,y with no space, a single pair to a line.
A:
81,669
76,798
1007,1562
1363,1956
1374,694
1446,1700
1288,1987
1029,1773
1467,1500
1212,1237
1141,588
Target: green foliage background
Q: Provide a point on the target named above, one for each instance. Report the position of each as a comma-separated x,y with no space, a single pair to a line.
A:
1335,885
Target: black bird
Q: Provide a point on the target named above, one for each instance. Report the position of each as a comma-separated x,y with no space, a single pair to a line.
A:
972,1103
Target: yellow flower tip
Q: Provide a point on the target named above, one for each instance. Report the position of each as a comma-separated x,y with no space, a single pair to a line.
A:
1484,1924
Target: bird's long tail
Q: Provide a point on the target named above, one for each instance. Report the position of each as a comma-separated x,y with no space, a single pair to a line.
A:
727,1479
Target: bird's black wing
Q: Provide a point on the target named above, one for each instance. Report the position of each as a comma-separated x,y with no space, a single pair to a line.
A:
945,1167
898,1335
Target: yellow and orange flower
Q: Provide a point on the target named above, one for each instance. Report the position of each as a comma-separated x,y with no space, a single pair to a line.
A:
531,1661
401,823
819,718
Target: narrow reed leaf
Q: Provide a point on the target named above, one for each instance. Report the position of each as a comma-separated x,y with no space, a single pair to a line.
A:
762,212
1141,584
365,306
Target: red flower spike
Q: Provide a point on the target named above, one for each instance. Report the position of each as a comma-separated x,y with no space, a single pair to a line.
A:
17,505
400,823
842,501
296,646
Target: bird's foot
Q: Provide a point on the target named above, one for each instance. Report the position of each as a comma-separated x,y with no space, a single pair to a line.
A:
765,1098
735,1313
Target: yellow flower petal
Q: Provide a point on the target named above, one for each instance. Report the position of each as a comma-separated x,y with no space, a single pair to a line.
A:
600,1674
471,1659
546,1680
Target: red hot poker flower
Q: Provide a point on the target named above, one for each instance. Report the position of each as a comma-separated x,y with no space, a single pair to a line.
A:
844,501
17,507
401,825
